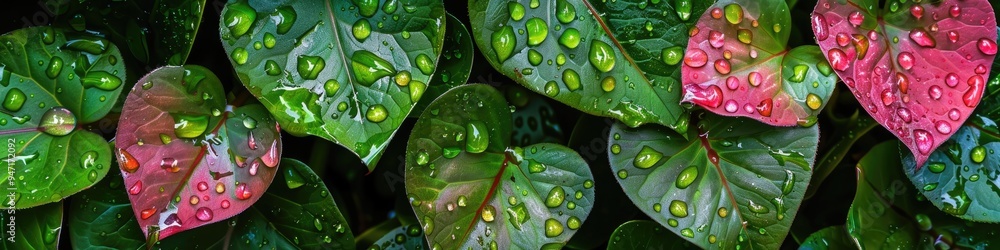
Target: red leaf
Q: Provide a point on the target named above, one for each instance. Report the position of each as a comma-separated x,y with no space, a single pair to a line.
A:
918,69
187,158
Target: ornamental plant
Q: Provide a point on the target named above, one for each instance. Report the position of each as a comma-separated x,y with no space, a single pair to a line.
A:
488,124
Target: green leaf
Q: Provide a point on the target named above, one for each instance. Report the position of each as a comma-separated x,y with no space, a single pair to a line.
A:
470,188
644,234
737,182
101,217
344,72
454,66
617,59
887,211
402,237
51,82
961,176
296,212
834,237
34,228
154,33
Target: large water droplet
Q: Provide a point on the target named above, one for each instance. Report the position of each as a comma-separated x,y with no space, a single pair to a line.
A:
57,121
975,92
369,67
239,16
272,156
189,126
905,60
924,140
135,188
673,55
565,11
126,161
647,157
820,26
538,30
678,208
503,42
243,192
686,177
977,154
101,80
734,13
553,228
14,99
987,46
838,59
366,8
309,67
377,113
203,214
361,30
602,56
555,197
478,137
696,58
922,38
571,79
570,38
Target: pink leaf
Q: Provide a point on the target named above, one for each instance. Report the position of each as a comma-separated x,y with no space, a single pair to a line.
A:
187,158
738,64
918,69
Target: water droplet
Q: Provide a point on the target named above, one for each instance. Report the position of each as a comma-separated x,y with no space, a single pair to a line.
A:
169,164
368,67
571,79
678,208
922,38
905,60
553,227
734,13
686,177
838,59
488,213
203,214
101,80
126,161
146,213
673,55
271,157
723,212
309,67
478,137
602,56
361,30
14,99
135,188
366,8
924,140
376,113
57,121
765,107
622,174
687,232
538,30
269,40
757,208
722,66
565,11
570,38
284,18
696,58
189,126
978,154
516,10
555,197
975,92
987,46
425,64
243,192
503,42
647,157
239,55
54,68
239,16
608,83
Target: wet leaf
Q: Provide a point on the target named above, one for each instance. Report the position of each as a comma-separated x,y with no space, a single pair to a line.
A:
50,84
961,176
888,211
736,183
101,217
455,64
403,237
154,33
189,159
644,234
284,218
615,59
465,181
834,237
739,64
34,228
349,73
918,68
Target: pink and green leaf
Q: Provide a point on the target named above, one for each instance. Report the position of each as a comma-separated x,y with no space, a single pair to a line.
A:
470,188
738,64
187,158
919,69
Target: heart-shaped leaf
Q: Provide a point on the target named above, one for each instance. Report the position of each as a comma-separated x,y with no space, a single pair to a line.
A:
33,228
403,237
454,67
592,55
469,188
738,64
888,211
961,176
736,182
188,158
918,68
346,71
297,212
51,81
644,234
155,33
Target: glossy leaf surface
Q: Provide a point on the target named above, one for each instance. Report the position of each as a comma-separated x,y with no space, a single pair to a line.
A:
297,212
919,69
592,56
962,177
51,82
889,211
34,228
469,188
834,237
736,183
738,64
346,71
644,234
454,65
187,157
